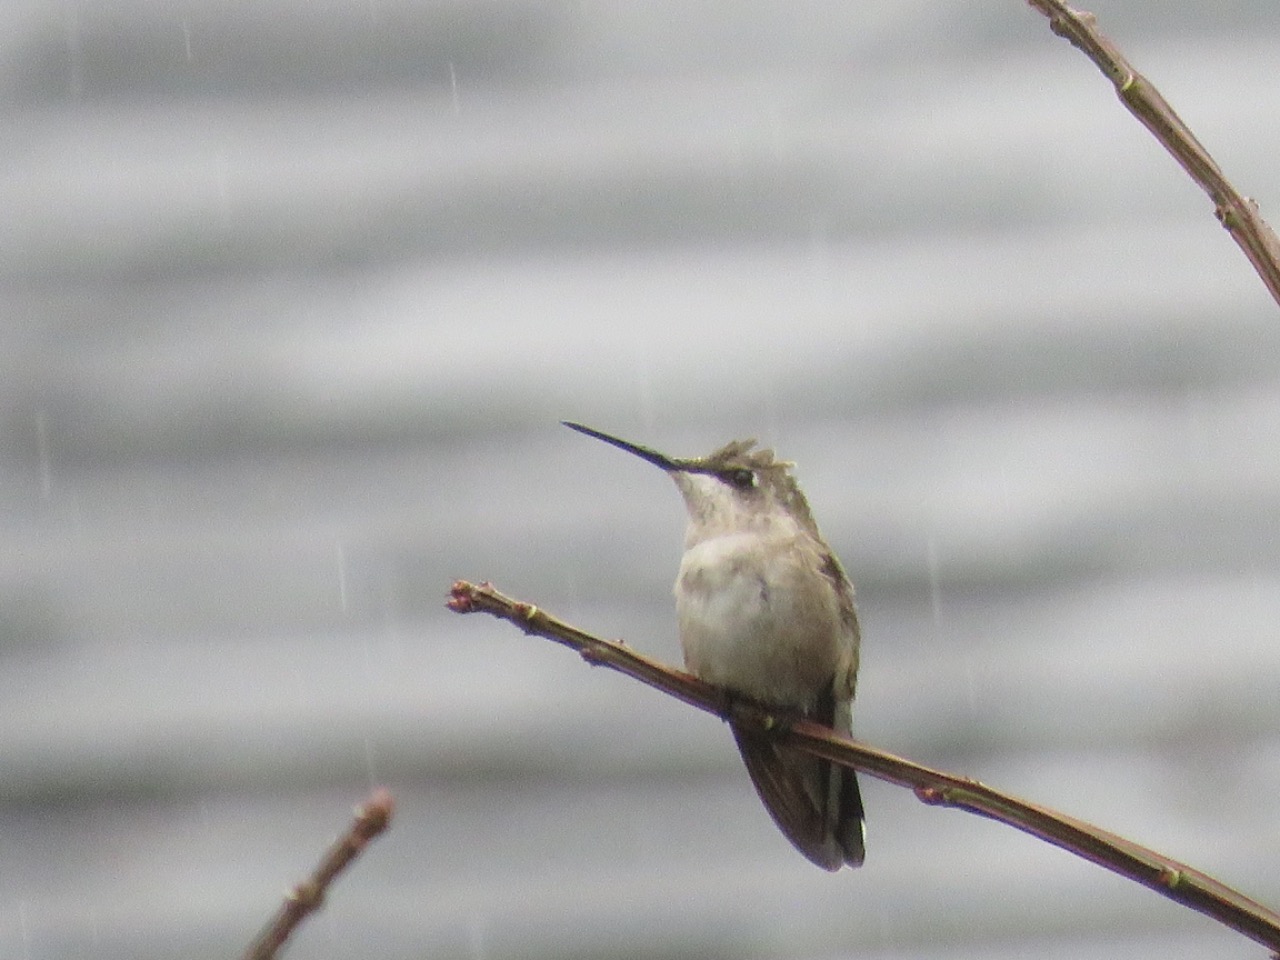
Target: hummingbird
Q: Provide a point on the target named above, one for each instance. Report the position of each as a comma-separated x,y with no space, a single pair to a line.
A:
766,611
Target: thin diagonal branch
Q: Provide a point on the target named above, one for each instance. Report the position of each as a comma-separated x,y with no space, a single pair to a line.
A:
1237,213
1166,876
371,818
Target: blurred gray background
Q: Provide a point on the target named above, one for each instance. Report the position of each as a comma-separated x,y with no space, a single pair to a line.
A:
294,295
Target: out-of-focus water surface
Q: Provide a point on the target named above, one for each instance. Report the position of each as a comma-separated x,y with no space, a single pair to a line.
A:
293,297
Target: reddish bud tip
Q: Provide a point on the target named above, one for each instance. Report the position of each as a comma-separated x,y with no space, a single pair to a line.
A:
931,795
461,598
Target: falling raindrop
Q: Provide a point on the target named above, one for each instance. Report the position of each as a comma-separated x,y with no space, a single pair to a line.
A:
644,384
771,423
42,453
370,764
224,190
453,86
341,557
186,37
475,936
75,55
935,590
23,929
935,602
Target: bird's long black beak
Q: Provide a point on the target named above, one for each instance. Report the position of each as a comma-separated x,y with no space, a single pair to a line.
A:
644,453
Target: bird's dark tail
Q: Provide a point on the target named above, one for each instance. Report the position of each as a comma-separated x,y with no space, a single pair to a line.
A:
815,803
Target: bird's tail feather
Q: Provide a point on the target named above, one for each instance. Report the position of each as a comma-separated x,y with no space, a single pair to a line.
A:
815,803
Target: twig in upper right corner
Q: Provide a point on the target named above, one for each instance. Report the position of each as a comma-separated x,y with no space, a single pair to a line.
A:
1237,213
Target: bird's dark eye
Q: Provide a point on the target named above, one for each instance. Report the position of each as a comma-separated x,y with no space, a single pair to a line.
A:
741,478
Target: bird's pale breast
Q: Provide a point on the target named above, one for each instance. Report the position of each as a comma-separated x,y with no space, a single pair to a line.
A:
758,616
